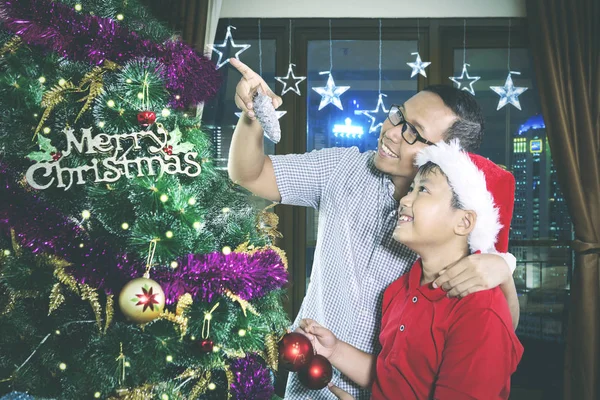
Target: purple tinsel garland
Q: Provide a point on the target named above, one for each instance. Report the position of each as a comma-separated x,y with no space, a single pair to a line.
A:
205,275
252,379
44,230
52,25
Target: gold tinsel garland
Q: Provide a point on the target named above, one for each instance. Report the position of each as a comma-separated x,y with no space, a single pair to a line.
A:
92,82
200,386
184,302
266,223
230,380
56,298
140,393
243,303
110,311
272,351
11,45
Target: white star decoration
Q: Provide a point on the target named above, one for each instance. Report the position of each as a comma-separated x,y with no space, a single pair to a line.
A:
509,93
380,113
418,67
294,86
330,93
460,80
228,40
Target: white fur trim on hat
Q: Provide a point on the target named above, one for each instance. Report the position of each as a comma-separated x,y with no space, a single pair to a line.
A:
469,184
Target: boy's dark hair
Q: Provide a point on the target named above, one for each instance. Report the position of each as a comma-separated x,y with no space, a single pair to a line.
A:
469,126
432,168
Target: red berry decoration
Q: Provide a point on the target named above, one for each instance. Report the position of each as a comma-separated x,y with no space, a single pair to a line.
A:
317,374
168,150
206,346
146,118
295,351
56,156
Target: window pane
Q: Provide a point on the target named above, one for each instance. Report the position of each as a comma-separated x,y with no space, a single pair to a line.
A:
517,139
355,64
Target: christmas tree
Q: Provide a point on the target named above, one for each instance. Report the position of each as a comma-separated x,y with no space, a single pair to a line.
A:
130,266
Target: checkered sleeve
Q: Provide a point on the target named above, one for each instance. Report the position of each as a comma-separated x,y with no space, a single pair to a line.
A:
302,178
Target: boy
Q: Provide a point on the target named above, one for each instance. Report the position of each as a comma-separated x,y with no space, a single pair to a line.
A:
433,346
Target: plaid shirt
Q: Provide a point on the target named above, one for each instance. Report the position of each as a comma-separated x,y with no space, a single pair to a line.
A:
356,257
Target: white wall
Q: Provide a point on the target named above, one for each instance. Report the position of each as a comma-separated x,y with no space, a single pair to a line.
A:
372,8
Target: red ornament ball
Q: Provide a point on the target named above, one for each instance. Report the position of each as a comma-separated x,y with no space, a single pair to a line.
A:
146,118
295,351
317,374
206,346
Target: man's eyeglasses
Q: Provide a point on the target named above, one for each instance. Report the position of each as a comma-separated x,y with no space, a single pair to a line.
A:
409,132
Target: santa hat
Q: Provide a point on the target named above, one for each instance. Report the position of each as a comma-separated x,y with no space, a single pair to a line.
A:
481,186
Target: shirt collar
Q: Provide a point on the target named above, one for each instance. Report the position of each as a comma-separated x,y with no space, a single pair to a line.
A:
414,283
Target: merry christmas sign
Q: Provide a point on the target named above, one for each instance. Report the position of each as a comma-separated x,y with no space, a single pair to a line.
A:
112,157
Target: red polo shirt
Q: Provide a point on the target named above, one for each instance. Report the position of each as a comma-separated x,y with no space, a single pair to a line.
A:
434,347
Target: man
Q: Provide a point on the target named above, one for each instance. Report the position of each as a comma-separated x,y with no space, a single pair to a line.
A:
357,197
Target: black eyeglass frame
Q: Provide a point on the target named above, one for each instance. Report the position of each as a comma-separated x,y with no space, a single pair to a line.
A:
396,112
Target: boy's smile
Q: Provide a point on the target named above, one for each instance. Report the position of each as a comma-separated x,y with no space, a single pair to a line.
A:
426,218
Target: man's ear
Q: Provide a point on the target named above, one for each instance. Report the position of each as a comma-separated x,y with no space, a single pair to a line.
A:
466,223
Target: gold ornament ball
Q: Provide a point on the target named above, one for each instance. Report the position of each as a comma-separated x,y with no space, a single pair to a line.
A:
142,300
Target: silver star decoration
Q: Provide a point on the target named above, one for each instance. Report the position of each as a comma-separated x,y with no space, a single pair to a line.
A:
279,114
228,42
379,113
330,93
460,80
509,93
293,87
418,67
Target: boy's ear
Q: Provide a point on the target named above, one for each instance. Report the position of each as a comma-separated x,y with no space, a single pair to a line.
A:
466,223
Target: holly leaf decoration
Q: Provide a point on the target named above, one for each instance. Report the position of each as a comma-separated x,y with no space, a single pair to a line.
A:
174,141
46,150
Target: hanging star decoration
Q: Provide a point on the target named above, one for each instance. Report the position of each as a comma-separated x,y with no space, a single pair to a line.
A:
330,93
146,298
380,113
460,80
293,86
418,67
509,93
228,42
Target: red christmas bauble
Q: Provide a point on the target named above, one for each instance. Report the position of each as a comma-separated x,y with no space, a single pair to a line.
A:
146,118
206,346
317,374
295,351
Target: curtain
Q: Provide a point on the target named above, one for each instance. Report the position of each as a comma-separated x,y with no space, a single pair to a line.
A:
565,44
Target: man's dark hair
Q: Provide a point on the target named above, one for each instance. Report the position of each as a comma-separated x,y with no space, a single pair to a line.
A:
469,126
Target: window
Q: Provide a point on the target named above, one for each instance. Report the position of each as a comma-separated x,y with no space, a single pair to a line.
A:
541,227
355,64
